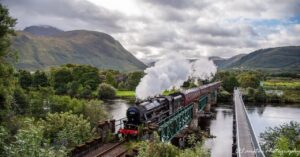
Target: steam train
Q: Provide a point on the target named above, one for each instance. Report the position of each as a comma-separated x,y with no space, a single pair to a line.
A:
155,109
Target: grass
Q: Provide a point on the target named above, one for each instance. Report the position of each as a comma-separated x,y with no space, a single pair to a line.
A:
123,94
282,84
290,88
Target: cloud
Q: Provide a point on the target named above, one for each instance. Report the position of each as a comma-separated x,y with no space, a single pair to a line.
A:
73,12
155,28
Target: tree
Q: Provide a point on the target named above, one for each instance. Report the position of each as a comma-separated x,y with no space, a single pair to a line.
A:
21,103
250,96
248,80
86,93
7,24
106,91
6,55
229,83
110,79
25,79
87,76
134,79
60,78
40,79
74,88
65,104
121,86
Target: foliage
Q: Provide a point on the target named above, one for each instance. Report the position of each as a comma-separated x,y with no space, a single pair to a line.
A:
60,78
40,79
6,55
133,80
276,136
65,104
260,95
196,151
248,79
4,137
157,149
86,93
94,111
25,79
110,79
229,83
162,149
224,96
282,149
29,141
86,76
6,30
21,101
67,129
106,91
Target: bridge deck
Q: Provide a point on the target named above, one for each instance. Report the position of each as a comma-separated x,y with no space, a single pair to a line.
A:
244,139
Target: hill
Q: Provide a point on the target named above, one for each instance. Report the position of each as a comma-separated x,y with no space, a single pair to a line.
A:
43,30
40,50
273,59
223,63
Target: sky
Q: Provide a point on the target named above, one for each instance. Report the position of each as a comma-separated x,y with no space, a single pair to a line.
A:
151,29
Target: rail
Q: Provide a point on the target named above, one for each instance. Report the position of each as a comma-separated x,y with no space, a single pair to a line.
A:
110,149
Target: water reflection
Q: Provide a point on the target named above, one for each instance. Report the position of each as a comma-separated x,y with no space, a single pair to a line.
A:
271,116
221,127
117,108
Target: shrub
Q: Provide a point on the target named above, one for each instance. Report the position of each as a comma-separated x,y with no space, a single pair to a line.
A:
106,91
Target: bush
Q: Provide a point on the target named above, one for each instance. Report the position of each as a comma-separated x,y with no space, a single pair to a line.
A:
67,129
94,111
224,96
106,91
272,137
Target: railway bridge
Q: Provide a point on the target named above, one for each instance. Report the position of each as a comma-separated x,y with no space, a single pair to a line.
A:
245,142
172,125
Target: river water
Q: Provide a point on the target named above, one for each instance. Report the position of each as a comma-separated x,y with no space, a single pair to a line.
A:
221,127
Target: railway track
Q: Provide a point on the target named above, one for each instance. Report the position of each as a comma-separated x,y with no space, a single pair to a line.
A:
116,150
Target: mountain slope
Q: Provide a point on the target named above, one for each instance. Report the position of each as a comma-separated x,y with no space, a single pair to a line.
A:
279,58
76,47
43,30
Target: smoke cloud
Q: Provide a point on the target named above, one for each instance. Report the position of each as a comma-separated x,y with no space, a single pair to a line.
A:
170,72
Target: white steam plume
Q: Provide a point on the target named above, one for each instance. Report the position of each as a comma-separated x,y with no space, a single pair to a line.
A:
172,71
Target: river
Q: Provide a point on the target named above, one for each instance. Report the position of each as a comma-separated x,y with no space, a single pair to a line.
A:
221,126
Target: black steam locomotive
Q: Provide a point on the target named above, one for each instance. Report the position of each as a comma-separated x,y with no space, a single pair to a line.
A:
155,109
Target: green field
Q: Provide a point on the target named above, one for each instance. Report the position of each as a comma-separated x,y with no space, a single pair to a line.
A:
123,94
289,87
282,84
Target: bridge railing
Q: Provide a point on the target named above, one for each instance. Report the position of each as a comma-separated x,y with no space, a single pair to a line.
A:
169,127
258,150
